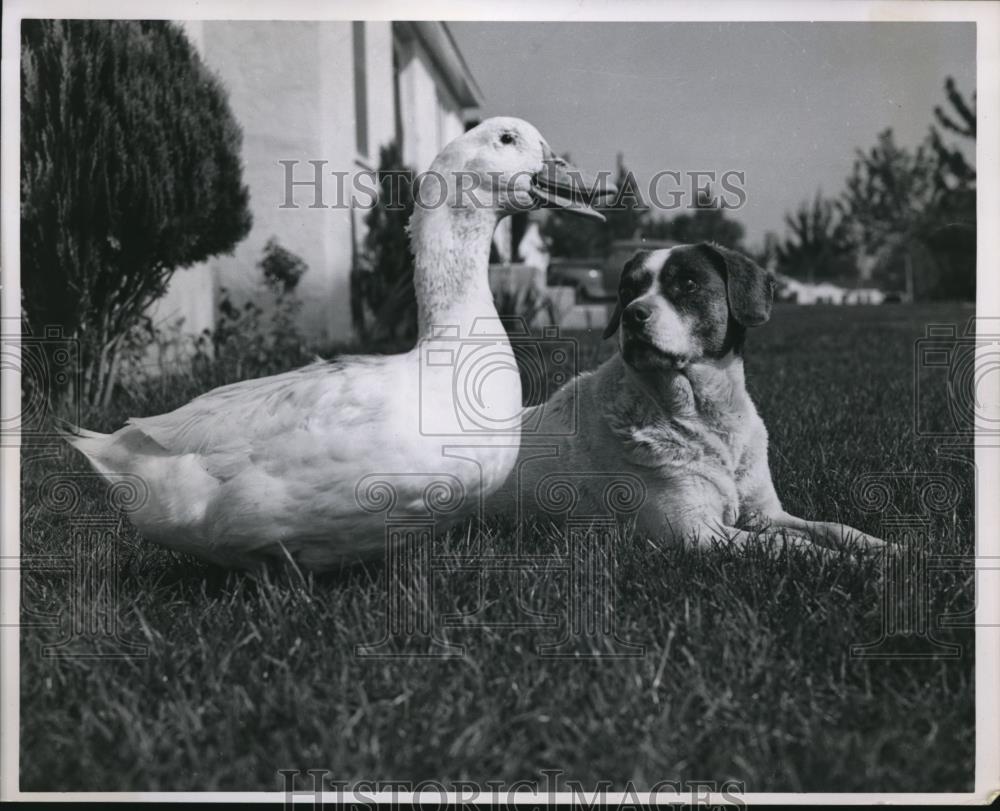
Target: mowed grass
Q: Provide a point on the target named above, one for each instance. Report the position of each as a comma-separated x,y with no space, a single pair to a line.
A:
747,673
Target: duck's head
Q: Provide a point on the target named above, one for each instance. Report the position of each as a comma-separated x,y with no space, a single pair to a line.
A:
504,165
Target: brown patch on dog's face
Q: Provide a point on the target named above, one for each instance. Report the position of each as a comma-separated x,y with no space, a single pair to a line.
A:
693,285
674,308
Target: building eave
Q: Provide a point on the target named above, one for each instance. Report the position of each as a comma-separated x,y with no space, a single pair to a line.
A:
447,58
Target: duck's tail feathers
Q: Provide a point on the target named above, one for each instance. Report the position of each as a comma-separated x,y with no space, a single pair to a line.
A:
93,445
71,432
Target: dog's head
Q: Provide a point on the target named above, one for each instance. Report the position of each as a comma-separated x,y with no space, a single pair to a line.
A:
680,305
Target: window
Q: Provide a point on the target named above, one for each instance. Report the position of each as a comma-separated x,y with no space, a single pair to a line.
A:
396,98
439,120
360,89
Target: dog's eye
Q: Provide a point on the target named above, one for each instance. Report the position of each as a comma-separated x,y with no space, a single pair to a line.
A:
688,285
507,138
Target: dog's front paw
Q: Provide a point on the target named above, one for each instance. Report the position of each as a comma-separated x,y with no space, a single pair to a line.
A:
790,539
856,540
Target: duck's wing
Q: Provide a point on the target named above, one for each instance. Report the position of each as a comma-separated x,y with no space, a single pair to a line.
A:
226,427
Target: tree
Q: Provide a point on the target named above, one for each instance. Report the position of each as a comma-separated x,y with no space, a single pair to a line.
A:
963,124
766,254
627,213
384,302
889,208
953,241
568,235
253,340
706,223
914,212
818,246
130,169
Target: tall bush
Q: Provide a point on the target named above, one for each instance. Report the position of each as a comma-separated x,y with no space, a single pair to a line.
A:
253,340
384,303
818,247
131,169
953,240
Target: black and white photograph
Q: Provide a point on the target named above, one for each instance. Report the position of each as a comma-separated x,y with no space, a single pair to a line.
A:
494,403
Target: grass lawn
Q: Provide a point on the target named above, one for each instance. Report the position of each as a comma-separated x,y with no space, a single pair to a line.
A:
747,673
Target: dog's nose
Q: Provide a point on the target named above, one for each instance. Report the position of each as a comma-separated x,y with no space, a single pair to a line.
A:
637,313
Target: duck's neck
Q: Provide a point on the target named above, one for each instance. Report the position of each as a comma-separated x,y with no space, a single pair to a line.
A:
451,274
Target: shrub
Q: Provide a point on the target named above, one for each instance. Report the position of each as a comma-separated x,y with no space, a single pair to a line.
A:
131,169
250,340
384,304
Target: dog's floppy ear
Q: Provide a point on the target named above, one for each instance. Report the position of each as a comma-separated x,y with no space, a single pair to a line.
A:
749,288
614,321
616,315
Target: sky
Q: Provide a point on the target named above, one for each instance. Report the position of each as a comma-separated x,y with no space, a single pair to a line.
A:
786,103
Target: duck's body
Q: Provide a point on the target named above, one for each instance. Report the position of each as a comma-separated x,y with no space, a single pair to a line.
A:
314,463
293,463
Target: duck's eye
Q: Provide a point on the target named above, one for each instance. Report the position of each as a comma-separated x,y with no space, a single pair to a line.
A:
506,138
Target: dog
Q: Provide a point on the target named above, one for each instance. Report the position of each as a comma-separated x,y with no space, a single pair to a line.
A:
669,414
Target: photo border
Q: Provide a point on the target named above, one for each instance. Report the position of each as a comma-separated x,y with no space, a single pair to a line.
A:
987,521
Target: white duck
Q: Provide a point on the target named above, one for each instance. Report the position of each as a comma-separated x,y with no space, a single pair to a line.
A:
314,462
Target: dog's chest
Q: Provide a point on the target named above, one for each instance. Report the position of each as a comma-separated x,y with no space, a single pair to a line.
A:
696,457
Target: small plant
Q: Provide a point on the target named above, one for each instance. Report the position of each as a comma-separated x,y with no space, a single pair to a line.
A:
251,340
525,303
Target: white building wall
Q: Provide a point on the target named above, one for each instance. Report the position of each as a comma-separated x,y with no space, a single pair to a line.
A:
431,116
190,296
381,105
291,88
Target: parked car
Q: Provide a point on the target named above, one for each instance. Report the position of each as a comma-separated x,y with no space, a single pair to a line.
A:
621,251
583,275
596,279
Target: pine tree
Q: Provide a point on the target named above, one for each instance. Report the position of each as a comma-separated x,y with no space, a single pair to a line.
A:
130,169
384,303
818,247
890,207
569,235
953,240
705,222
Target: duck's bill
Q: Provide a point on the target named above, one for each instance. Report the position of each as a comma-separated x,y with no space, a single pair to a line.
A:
562,185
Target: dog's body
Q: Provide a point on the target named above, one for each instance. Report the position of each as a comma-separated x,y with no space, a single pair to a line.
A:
670,411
